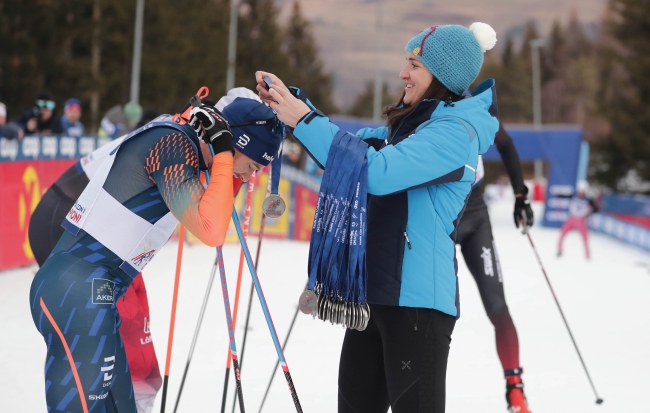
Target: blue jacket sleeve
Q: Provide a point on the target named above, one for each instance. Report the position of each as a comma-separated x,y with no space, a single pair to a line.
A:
434,155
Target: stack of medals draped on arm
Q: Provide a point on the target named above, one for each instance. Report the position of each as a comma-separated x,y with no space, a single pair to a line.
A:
337,252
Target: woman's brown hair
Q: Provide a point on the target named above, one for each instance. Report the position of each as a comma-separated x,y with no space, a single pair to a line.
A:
397,112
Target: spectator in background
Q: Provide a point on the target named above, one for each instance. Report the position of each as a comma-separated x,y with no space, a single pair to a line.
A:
70,119
10,131
3,114
313,169
119,121
291,154
41,118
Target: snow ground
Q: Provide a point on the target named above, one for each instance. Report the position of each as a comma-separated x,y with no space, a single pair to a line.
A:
605,301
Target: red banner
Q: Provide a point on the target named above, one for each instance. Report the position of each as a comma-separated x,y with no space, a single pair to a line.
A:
305,208
23,183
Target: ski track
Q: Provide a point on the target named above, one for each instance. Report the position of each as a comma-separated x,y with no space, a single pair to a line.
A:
604,300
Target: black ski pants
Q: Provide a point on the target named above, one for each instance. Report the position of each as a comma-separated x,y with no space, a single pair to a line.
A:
474,235
399,361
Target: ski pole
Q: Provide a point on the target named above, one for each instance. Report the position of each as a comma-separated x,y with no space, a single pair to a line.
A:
172,322
231,330
202,313
284,347
265,310
196,331
247,218
252,290
584,366
226,304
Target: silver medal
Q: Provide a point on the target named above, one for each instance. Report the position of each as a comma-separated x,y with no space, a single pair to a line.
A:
308,302
273,206
329,309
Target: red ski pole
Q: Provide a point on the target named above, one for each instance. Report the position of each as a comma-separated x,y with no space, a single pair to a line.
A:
172,322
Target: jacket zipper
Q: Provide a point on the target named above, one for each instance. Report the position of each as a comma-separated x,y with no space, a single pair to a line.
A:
408,241
388,141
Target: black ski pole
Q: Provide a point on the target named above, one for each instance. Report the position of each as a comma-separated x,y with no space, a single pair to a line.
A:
250,296
584,366
277,363
231,333
231,358
196,331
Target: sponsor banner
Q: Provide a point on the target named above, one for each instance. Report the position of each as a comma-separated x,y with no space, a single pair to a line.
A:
29,167
630,205
305,206
627,232
48,147
23,185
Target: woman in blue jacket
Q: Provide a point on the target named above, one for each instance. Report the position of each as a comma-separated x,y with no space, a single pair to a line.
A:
421,167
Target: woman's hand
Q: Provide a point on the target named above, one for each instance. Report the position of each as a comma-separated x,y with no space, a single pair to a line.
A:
289,109
265,96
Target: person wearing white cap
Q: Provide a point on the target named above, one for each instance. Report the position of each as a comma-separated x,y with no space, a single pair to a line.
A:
3,114
9,131
580,207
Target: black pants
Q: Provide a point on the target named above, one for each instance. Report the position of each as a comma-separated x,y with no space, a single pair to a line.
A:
474,234
399,361
45,225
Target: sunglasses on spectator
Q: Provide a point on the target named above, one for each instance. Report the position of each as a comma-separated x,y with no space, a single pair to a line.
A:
273,124
50,104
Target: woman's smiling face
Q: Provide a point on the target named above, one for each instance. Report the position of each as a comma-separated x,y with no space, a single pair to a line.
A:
417,78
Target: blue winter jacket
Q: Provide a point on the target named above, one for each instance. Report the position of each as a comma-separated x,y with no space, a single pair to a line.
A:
419,180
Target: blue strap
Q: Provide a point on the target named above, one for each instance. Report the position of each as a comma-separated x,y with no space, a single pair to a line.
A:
276,166
337,248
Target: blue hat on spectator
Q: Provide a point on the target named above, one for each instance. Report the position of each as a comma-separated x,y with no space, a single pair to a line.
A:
72,102
255,128
453,54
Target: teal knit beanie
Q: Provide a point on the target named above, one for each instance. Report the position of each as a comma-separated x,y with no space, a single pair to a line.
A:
453,54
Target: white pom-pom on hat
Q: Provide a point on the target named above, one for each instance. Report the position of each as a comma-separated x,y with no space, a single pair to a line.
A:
485,35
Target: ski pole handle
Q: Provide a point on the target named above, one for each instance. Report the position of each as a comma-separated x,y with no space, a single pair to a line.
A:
195,101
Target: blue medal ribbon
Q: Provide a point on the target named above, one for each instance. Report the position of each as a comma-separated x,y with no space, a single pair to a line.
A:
337,271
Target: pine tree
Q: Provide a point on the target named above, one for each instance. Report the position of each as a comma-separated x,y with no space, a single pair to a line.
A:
259,42
362,106
306,68
530,34
556,61
554,76
577,42
627,99
178,58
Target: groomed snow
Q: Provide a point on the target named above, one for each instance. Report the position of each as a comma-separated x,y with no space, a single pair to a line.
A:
605,300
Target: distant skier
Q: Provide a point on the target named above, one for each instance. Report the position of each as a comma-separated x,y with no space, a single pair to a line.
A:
580,207
125,214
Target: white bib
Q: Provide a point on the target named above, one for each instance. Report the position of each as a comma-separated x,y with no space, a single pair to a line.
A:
130,237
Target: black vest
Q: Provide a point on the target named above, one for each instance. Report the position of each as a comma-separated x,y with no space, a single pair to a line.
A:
387,218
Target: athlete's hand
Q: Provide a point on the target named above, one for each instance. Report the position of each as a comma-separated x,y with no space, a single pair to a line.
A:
523,212
211,126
